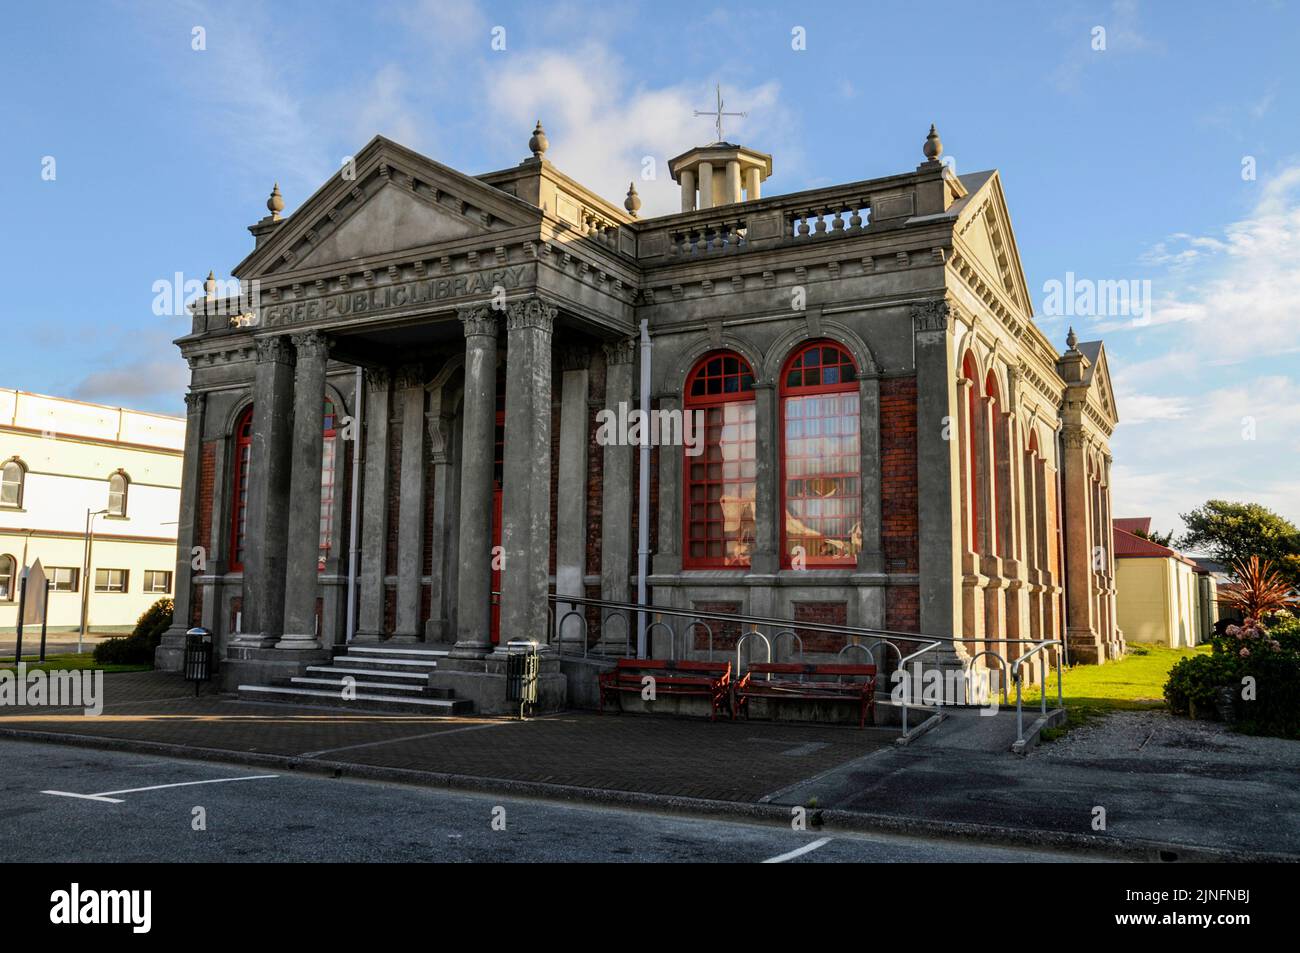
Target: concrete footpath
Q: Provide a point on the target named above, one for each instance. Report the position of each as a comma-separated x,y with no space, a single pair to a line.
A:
1232,800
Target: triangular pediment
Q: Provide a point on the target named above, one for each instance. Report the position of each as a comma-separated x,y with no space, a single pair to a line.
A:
1100,388
389,200
985,235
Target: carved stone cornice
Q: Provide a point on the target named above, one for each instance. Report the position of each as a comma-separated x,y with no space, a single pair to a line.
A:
932,315
275,350
479,321
531,313
622,351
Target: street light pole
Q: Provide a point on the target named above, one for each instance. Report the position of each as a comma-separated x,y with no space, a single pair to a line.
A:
85,575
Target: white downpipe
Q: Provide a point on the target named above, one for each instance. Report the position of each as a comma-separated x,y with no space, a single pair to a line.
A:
354,534
643,494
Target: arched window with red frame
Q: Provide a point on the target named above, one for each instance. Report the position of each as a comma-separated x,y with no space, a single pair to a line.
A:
243,450
995,426
821,457
969,372
720,479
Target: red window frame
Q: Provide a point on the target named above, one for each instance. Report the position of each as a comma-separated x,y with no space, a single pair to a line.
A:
803,378
242,445
995,425
718,378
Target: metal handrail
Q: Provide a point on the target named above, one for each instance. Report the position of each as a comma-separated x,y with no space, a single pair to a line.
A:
974,658
776,641
672,638
559,630
1042,681
902,664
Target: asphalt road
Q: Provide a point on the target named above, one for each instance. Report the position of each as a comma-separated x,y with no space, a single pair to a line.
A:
144,809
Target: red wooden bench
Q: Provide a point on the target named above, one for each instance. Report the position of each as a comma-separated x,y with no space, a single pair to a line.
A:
711,680
796,681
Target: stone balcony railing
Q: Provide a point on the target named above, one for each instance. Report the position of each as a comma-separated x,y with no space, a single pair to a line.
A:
813,216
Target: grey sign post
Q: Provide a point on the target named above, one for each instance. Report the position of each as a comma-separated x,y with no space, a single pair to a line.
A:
33,601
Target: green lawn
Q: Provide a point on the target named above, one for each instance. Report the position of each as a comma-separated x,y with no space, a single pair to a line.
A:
70,662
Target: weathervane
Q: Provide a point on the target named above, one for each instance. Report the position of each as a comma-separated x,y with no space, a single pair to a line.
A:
717,114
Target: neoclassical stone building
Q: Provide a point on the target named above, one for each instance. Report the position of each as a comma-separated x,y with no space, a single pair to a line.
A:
414,373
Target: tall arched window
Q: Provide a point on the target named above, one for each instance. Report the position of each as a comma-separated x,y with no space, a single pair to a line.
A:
8,577
117,487
243,450
821,457
328,479
720,487
969,372
996,489
12,477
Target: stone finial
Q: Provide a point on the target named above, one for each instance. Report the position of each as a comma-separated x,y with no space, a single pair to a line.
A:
1072,340
275,204
210,286
933,147
538,142
633,201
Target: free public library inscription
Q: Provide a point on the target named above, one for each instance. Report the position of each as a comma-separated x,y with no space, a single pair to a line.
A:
403,295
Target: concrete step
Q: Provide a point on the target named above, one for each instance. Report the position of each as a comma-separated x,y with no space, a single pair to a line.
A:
365,701
386,664
338,684
396,651
379,674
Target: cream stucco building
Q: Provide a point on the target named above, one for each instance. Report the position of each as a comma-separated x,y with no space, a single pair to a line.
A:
59,460
1162,596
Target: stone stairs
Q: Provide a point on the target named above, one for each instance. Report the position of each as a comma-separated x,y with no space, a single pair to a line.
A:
381,679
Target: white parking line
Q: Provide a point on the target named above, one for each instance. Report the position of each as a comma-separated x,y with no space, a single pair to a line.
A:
799,852
105,795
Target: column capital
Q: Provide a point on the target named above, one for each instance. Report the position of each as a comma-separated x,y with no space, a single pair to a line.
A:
932,315
311,344
532,312
479,321
1074,437
274,350
194,402
574,357
409,375
378,376
621,351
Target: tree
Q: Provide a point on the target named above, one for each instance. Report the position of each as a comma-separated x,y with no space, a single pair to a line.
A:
1259,590
1160,539
1233,532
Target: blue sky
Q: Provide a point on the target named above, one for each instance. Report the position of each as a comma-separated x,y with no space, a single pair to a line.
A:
1119,164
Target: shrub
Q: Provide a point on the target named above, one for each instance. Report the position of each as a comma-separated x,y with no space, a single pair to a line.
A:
138,647
1195,684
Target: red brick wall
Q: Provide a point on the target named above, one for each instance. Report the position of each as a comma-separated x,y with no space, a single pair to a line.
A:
725,634
898,470
826,613
203,527
903,608
595,465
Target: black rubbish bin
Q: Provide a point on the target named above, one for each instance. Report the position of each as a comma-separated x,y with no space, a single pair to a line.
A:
198,657
521,674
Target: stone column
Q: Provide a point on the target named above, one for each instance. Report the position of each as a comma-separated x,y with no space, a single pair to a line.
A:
439,427
667,557
706,185
526,486
374,508
301,576
571,492
872,556
168,655
270,460
688,190
767,557
478,451
408,626
1080,616
616,494
733,181
937,504
753,187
